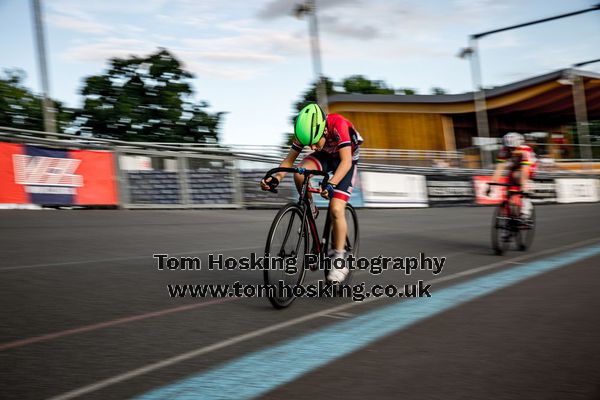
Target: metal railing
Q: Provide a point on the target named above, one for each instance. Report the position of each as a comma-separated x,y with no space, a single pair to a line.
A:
182,175
252,152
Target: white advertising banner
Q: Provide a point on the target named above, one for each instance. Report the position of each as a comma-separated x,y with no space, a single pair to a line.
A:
577,190
393,190
135,163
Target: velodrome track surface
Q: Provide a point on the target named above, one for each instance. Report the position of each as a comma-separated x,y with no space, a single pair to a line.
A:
86,314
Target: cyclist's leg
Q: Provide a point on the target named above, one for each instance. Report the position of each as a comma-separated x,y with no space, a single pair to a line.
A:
514,180
526,204
341,195
337,209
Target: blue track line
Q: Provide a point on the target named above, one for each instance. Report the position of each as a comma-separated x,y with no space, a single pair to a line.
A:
262,371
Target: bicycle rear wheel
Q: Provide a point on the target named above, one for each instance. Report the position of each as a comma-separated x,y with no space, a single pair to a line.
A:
526,232
501,229
288,237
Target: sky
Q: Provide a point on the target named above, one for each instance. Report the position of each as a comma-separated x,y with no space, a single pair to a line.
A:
251,58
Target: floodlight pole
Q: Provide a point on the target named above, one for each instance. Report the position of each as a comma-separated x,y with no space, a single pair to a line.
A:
47,104
309,7
479,100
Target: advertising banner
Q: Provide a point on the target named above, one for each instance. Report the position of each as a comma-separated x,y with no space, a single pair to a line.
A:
38,175
356,197
577,190
544,191
497,194
393,190
445,190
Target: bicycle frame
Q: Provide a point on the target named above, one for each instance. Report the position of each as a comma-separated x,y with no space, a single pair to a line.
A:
319,245
510,194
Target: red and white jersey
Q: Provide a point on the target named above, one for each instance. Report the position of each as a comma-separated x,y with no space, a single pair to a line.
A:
522,155
340,133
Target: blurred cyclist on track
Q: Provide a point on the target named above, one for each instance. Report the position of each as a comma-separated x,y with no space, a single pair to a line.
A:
335,144
521,163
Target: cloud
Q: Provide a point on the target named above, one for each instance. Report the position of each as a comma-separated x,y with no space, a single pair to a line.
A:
109,7
222,65
101,51
77,23
348,29
229,72
257,44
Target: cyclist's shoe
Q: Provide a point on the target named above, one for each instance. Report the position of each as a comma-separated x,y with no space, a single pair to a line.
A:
338,274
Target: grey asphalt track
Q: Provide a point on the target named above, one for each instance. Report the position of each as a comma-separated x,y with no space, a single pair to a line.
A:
82,302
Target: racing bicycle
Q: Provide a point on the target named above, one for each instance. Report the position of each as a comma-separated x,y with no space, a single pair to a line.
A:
294,231
508,225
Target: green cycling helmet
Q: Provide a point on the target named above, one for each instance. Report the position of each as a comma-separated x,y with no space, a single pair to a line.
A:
310,124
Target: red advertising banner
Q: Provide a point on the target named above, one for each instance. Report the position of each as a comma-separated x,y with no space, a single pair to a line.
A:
497,194
10,191
98,171
39,175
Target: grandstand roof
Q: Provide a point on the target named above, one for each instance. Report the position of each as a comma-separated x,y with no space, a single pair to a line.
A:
550,93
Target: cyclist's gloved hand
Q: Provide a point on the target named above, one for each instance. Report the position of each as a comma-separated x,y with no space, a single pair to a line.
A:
327,190
269,184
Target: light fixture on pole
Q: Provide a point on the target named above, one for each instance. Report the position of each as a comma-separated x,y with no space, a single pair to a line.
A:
309,8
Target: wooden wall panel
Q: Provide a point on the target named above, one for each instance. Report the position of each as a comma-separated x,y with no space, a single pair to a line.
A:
400,131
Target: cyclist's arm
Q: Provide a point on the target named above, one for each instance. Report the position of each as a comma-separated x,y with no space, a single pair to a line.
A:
500,167
527,160
524,175
345,165
287,162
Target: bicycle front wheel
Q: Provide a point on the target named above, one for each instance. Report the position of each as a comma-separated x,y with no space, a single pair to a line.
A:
287,239
501,229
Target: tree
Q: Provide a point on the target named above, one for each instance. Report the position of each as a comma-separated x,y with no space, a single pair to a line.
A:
360,84
438,90
310,95
406,91
21,108
147,99
351,84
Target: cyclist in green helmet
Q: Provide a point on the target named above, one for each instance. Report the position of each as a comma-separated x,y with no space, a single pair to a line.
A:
335,144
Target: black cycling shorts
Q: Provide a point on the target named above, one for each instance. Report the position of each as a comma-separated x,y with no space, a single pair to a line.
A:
326,162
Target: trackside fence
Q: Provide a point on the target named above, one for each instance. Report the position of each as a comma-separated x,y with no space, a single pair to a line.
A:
66,170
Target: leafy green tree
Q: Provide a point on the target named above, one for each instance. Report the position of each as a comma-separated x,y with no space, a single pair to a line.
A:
310,95
351,84
360,84
21,108
406,91
438,90
146,99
